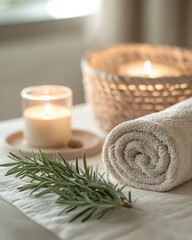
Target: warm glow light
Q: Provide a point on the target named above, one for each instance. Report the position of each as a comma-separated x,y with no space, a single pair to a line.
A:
48,109
46,91
147,68
72,8
45,97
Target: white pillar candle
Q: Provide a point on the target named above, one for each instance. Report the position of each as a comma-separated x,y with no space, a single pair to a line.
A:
47,129
148,69
47,116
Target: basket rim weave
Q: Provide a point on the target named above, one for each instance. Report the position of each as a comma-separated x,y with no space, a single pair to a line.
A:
132,79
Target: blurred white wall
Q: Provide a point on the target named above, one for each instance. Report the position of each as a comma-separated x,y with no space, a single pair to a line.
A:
49,51
44,52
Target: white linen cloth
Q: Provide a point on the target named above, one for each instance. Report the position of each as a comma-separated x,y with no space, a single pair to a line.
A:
153,152
155,215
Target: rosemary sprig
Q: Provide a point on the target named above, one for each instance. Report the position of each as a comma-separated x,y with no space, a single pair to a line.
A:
82,191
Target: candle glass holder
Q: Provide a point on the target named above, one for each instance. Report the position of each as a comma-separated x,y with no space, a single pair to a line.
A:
47,115
116,95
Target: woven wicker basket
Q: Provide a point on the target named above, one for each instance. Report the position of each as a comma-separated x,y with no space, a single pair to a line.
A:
115,98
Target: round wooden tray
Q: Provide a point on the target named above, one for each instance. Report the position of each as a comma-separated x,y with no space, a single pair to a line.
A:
92,144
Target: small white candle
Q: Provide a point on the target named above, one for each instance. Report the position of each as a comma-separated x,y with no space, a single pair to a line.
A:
47,129
148,69
47,121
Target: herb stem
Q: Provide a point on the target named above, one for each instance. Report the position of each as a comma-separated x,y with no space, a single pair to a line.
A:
81,191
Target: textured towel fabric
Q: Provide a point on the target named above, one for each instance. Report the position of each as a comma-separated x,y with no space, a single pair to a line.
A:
153,152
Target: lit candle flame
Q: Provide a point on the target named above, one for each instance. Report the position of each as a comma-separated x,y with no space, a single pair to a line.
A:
48,109
147,68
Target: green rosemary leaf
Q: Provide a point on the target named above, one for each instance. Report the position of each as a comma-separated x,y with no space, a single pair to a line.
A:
8,164
44,192
88,215
14,157
102,213
70,208
13,170
21,174
27,187
77,165
129,197
80,213
85,166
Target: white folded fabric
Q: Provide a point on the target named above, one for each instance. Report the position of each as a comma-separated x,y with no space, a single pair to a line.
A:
153,152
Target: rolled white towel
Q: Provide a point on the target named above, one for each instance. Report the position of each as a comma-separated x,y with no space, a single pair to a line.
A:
153,152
